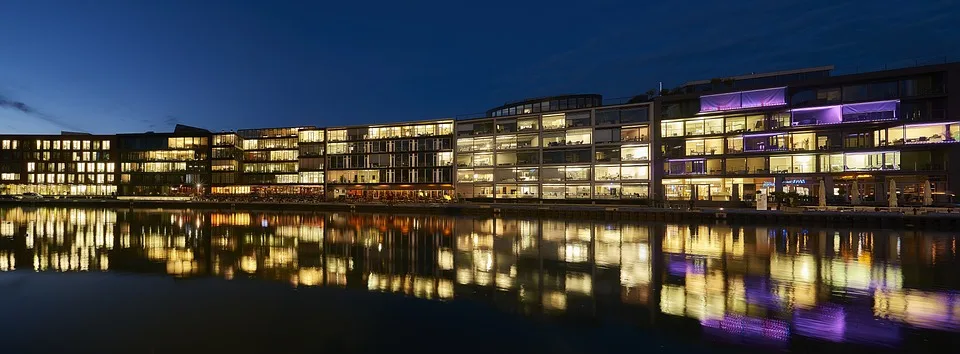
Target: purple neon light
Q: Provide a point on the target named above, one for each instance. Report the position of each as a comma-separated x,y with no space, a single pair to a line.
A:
682,160
721,102
848,113
743,99
764,98
868,107
818,116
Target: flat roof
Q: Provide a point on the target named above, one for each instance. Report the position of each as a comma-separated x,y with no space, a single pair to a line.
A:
764,74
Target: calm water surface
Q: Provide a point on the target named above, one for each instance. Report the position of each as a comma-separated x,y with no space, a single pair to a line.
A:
162,276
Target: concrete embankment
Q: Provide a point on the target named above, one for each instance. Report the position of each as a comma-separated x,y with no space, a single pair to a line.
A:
891,220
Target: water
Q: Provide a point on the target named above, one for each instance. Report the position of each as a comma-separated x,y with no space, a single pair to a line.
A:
208,281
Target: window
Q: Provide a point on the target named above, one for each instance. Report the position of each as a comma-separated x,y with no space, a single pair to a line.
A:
554,121
311,177
672,128
610,154
606,135
638,172
524,124
577,173
311,136
579,137
633,134
635,153
693,127
338,135
735,124
606,173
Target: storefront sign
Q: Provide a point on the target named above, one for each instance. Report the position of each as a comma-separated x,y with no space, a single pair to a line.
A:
794,181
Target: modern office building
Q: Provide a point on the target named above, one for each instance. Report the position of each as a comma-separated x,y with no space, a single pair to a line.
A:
271,163
226,164
173,164
556,148
396,161
74,164
725,140
716,141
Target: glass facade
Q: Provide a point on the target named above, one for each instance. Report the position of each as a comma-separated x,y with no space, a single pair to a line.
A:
795,139
410,161
576,154
718,147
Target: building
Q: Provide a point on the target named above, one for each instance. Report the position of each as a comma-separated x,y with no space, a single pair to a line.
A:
271,163
714,142
69,164
555,148
401,161
724,141
173,164
226,164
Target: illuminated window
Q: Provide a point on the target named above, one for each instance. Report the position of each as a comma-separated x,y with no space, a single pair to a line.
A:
86,144
105,145
337,135
311,177
311,136
56,144
31,166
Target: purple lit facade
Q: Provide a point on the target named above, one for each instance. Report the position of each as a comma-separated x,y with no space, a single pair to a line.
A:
847,113
743,99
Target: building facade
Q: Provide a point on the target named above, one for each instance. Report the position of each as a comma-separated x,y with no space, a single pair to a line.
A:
809,129
391,162
173,164
58,165
719,141
558,148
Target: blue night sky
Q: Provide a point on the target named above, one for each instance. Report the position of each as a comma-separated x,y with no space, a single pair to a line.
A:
124,66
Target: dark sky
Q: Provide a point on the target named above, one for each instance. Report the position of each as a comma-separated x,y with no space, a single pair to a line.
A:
107,66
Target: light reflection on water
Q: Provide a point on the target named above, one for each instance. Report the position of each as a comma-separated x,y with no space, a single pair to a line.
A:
751,283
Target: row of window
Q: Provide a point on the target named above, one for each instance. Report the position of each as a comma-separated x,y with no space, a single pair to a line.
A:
557,191
367,147
571,137
82,167
839,162
267,144
427,159
162,167
69,178
60,144
637,153
548,106
413,175
273,155
393,132
556,174
163,155
810,141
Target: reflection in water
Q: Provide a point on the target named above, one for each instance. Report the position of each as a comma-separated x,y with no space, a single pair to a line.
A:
758,283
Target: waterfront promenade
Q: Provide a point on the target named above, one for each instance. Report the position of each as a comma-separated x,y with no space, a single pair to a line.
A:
838,216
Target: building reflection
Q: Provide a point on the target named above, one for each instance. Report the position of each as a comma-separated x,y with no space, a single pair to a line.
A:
765,283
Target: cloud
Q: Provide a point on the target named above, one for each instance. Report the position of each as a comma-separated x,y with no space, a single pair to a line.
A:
29,110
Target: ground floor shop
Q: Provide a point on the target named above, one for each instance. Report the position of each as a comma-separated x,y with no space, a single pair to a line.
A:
60,189
404,192
839,188
554,191
269,190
